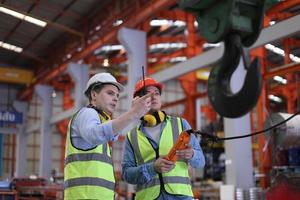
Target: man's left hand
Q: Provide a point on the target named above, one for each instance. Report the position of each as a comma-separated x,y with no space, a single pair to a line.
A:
186,153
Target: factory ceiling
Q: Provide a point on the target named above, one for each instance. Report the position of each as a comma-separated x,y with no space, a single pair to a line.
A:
43,36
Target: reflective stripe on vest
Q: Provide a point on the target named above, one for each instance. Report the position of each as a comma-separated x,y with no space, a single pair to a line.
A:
88,157
155,181
176,181
89,181
88,173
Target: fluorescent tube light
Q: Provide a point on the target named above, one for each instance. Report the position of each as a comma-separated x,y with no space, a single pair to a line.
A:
164,22
23,17
280,79
275,98
280,51
10,47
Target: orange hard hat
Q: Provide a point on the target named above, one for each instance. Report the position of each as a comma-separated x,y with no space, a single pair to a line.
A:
148,82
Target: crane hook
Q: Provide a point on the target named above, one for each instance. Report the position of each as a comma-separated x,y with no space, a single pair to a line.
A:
224,101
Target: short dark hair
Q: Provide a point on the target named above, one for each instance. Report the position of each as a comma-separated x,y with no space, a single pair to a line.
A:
97,87
141,93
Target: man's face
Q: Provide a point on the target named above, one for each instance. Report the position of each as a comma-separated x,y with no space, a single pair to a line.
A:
106,99
155,99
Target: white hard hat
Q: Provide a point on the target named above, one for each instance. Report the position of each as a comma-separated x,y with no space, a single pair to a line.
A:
103,78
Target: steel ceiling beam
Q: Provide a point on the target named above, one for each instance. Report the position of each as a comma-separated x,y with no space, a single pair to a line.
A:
270,34
167,39
173,15
53,20
281,7
285,28
288,27
39,34
6,37
50,23
145,12
282,70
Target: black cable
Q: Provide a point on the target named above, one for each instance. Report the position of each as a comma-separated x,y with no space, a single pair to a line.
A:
216,138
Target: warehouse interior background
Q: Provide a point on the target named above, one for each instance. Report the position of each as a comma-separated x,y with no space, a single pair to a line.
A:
49,49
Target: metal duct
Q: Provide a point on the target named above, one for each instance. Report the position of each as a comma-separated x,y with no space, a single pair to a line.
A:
288,134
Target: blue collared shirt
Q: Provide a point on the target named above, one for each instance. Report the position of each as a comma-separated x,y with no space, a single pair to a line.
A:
141,174
87,131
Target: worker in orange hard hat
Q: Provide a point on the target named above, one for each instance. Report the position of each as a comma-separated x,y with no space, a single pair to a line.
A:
144,163
147,82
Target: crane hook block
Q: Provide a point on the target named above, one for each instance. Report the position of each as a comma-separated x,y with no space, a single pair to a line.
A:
224,101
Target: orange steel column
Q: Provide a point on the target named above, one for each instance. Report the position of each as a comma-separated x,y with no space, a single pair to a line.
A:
289,91
189,81
263,152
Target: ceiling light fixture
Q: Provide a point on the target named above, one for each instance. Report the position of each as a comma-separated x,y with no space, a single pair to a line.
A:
109,48
207,45
54,94
275,98
177,45
280,79
281,52
152,60
69,56
105,62
10,47
178,59
196,24
118,22
164,22
23,17
97,28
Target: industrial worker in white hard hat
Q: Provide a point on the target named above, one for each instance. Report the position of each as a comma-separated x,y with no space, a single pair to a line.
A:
88,172
146,146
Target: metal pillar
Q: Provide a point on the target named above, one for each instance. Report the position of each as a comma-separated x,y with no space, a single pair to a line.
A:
45,94
199,103
80,75
21,152
134,42
239,169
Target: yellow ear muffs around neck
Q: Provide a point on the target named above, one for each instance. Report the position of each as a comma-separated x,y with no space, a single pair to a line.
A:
149,120
153,119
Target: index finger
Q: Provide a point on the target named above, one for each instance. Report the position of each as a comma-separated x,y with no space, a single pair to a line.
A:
135,98
147,95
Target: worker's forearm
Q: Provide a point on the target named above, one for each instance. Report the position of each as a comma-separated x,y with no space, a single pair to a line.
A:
198,160
124,123
139,174
140,106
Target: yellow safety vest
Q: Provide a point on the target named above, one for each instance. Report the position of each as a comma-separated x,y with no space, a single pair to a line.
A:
177,181
88,174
